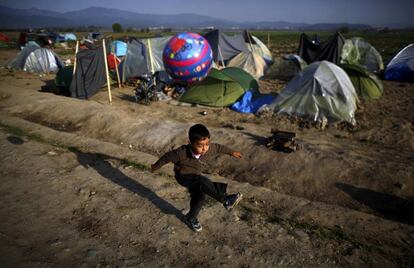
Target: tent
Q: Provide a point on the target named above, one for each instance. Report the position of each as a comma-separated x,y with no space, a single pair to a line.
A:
90,73
155,48
251,102
64,77
255,45
225,47
36,60
93,36
401,67
329,50
286,68
4,38
143,57
5,41
358,51
220,88
366,84
251,62
70,37
118,48
135,62
322,91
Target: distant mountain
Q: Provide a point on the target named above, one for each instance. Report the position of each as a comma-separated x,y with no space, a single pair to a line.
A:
104,17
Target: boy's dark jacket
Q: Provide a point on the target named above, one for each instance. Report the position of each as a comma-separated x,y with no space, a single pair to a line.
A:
186,164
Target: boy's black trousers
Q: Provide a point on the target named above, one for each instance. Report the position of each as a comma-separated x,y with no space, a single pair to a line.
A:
199,186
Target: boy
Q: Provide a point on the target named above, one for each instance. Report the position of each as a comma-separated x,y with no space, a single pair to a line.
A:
189,160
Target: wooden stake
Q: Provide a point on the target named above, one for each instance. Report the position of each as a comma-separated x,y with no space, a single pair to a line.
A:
151,61
268,40
221,56
150,55
250,41
107,72
117,72
76,53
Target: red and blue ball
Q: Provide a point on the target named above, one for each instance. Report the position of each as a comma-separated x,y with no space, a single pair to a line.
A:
187,57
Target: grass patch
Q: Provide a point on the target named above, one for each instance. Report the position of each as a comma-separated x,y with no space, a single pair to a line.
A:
38,138
314,231
291,225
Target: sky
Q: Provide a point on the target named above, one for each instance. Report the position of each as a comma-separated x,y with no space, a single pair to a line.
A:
373,12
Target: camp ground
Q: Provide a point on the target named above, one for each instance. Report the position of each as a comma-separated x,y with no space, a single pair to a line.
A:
323,120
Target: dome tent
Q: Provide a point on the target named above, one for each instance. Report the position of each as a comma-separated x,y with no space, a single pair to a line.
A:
225,47
366,84
358,51
251,62
64,76
321,91
401,67
220,88
286,67
36,60
255,45
70,37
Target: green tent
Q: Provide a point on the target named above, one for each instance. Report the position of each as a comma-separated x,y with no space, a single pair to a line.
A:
366,83
358,51
64,76
220,88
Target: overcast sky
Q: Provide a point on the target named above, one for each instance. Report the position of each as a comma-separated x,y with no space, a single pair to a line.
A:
373,12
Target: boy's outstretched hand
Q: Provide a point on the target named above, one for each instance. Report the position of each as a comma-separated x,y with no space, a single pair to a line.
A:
237,154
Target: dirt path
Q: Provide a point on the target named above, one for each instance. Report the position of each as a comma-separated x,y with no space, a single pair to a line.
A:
86,206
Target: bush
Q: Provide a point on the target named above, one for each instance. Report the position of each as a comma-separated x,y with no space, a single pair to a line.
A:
117,28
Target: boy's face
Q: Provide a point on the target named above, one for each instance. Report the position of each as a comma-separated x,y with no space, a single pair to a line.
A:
201,146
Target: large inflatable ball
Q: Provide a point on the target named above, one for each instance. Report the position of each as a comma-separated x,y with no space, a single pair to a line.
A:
187,57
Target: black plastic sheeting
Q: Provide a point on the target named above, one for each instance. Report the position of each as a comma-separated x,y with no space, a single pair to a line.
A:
313,50
90,73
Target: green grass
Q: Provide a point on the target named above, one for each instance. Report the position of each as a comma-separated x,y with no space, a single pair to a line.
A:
38,138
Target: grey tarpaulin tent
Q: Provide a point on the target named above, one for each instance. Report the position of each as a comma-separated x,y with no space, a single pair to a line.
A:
135,61
224,46
143,57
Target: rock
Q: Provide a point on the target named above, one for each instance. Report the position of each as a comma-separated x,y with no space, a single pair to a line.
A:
301,235
52,153
91,253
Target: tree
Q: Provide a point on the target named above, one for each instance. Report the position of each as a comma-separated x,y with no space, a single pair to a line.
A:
117,28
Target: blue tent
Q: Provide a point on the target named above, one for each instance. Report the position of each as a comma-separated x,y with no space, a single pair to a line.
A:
401,67
119,48
251,102
70,37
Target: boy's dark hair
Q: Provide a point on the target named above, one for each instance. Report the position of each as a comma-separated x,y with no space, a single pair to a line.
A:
198,132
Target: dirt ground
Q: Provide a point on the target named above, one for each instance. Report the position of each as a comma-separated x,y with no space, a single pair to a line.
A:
76,190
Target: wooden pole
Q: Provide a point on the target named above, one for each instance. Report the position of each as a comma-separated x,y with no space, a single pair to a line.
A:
268,40
150,55
151,61
76,53
117,72
250,41
221,57
107,72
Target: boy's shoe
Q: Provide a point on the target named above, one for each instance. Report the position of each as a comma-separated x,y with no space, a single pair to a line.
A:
232,200
194,225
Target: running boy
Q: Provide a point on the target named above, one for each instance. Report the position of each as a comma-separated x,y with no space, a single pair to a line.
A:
189,160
